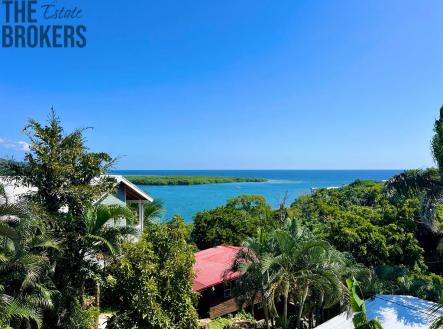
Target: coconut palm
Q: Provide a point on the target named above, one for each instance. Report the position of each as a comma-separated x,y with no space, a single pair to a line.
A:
105,235
104,230
304,268
252,261
153,212
25,287
292,265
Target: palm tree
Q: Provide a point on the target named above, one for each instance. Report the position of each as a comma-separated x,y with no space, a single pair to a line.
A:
105,235
306,267
292,264
25,287
103,230
153,212
252,261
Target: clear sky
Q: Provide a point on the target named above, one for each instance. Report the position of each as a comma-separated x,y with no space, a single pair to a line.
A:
193,84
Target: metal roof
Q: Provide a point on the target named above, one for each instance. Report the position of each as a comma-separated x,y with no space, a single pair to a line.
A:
393,311
212,264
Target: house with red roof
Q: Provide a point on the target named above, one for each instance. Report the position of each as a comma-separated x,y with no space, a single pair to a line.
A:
213,281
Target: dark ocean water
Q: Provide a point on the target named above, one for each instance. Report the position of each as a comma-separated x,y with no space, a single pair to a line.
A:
188,200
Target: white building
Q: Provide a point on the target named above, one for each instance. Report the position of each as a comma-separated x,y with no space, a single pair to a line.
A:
126,193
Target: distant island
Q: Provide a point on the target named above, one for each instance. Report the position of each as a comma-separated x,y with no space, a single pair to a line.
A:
190,180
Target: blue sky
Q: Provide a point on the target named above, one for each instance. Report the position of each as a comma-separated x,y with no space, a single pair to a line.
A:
254,84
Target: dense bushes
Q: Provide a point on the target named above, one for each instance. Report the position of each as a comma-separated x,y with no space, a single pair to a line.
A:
359,219
233,223
153,281
382,233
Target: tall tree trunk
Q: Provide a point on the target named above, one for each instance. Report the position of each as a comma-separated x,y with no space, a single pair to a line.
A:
285,305
97,304
252,301
302,304
265,310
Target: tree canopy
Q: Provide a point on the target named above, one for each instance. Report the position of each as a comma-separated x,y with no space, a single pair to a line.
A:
153,280
233,223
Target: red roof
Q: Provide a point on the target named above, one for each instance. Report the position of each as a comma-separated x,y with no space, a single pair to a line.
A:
211,264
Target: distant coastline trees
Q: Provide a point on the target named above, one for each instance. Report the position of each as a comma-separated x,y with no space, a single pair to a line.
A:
190,180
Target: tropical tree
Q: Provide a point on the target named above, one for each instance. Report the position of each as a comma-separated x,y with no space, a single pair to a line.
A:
25,287
233,222
152,211
306,267
437,323
153,277
252,261
104,232
68,179
292,265
106,236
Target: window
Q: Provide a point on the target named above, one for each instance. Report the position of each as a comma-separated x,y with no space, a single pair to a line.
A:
227,292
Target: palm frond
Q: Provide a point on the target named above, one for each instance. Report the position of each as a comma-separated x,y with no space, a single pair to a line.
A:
437,323
99,240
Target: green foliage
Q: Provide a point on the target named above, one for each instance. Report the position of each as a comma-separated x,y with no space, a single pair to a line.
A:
360,319
372,244
233,223
229,321
252,261
152,212
360,219
380,230
427,184
293,266
189,180
154,281
255,205
104,237
437,141
25,287
84,318
68,179
437,323
7,167
401,280
62,168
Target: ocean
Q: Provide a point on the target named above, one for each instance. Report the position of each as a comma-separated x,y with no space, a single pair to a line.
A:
190,199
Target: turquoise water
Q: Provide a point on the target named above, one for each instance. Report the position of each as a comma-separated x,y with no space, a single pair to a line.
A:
188,200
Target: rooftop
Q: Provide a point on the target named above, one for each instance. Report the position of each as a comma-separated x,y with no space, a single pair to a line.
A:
211,265
393,311
15,190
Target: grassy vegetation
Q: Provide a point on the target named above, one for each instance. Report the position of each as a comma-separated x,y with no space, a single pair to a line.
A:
189,180
228,321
